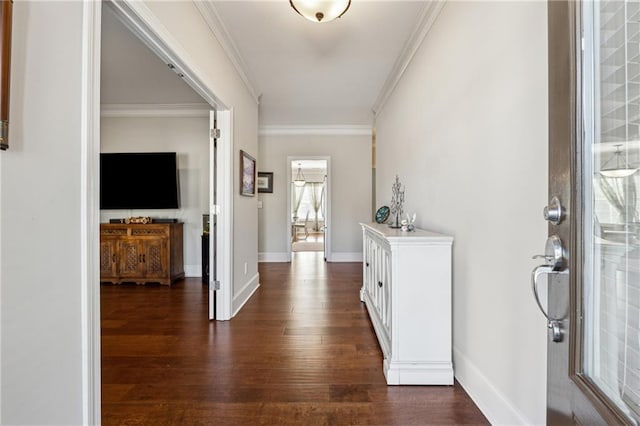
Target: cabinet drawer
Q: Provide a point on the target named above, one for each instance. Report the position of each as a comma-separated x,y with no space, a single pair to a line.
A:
150,231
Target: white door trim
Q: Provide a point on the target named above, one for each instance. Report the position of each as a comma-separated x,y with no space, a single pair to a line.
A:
139,19
90,213
327,220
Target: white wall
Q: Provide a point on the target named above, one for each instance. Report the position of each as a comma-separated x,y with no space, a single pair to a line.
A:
40,225
189,138
350,190
41,205
186,24
466,130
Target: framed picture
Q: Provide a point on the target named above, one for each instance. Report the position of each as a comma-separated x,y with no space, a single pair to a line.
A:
265,182
247,174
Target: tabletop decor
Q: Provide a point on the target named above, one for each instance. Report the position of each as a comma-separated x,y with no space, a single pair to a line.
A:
397,201
382,214
407,224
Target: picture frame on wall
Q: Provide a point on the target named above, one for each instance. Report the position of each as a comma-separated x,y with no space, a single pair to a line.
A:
247,174
265,182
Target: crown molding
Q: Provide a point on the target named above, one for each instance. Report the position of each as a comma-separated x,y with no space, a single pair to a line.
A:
211,16
325,130
427,17
154,110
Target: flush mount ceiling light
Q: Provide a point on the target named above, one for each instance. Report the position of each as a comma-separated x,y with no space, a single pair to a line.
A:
320,10
620,170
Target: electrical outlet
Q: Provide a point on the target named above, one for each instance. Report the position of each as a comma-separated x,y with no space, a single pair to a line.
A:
246,267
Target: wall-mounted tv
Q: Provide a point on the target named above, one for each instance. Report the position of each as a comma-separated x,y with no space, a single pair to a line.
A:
139,180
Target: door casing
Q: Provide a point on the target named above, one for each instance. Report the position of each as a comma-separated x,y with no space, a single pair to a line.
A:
327,195
139,19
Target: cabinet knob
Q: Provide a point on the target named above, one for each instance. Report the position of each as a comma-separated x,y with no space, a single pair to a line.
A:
144,258
379,283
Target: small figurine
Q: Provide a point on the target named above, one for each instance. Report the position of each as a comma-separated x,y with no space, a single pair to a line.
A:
407,224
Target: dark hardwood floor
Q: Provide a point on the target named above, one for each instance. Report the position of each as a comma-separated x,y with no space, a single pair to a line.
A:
302,351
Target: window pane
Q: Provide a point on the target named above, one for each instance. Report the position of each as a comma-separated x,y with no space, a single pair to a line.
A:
612,253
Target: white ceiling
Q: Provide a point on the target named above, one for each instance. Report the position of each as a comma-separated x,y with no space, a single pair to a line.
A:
132,74
306,73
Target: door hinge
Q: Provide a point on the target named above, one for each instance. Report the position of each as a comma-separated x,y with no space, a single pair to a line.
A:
215,133
216,285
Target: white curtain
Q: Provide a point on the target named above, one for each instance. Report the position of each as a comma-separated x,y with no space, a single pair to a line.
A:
317,195
297,192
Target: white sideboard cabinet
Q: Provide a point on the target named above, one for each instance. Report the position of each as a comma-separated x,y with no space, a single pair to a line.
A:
407,291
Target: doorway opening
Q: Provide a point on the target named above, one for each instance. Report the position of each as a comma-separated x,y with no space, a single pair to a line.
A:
125,105
308,202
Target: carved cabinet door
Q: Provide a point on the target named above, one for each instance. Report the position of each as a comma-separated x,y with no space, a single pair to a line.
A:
155,258
130,263
108,258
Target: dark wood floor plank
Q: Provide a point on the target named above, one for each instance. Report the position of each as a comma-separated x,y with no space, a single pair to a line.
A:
301,352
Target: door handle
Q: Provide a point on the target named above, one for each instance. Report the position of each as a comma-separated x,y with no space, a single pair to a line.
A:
553,324
554,256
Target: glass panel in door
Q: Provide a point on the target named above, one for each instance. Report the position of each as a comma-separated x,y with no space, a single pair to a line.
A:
610,354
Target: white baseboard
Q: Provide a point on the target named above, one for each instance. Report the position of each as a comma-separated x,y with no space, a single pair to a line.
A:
345,257
418,373
494,405
192,270
245,294
273,257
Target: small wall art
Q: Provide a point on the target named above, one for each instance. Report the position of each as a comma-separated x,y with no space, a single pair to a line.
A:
247,174
265,182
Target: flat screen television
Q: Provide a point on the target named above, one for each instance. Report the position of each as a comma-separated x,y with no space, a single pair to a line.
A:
139,180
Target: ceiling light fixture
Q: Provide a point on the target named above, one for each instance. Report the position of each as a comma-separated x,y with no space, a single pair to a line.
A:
299,180
320,10
620,170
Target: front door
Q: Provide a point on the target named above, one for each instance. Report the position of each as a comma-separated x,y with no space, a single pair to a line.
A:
592,256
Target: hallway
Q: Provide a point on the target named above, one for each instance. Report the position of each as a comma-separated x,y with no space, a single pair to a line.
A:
302,351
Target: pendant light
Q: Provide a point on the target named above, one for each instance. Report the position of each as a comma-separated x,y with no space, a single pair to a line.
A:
320,10
620,170
299,180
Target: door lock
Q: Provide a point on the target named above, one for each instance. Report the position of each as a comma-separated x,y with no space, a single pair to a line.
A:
554,212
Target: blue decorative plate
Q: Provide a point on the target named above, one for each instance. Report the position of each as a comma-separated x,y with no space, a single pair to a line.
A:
382,214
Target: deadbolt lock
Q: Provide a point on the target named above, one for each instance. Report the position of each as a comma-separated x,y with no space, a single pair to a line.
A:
554,212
